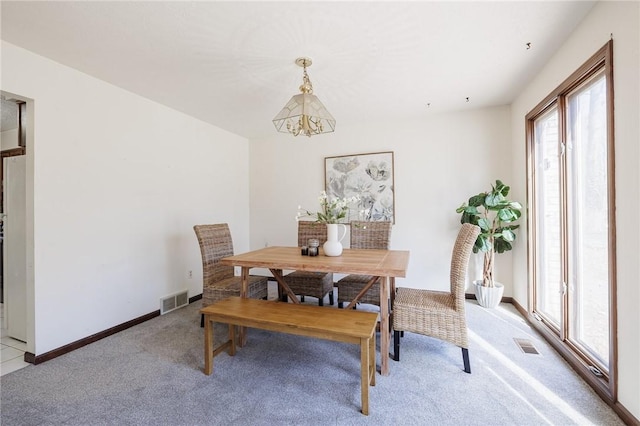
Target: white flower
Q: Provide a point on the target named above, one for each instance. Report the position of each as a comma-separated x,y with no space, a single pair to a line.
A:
332,211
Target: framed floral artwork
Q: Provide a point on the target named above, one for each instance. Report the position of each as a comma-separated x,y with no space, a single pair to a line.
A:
369,177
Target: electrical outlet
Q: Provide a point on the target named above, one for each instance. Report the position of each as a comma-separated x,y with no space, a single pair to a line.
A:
190,274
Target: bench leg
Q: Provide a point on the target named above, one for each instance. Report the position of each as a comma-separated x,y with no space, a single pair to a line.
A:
372,360
208,346
396,345
364,374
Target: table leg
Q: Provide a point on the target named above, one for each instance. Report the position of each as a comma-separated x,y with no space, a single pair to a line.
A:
392,285
384,326
277,274
232,339
372,359
364,374
208,345
244,291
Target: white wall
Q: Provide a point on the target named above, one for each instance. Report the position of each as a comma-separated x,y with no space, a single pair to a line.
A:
440,162
9,139
118,183
620,19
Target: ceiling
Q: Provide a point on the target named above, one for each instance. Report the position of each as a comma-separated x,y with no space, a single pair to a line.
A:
232,64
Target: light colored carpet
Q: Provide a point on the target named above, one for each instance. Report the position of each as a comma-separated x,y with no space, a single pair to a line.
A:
152,374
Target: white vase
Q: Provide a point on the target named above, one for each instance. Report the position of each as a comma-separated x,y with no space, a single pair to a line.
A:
488,297
333,246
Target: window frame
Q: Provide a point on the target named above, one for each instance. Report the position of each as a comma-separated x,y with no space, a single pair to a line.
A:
601,61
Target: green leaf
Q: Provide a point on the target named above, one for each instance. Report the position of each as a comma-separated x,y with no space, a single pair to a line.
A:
508,235
470,214
477,200
517,214
483,243
472,210
506,215
501,188
484,224
501,245
494,200
465,218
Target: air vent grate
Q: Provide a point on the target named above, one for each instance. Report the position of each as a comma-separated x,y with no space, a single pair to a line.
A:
526,346
182,299
168,304
173,302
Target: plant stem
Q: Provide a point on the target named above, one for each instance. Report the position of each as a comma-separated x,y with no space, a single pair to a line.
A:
487,270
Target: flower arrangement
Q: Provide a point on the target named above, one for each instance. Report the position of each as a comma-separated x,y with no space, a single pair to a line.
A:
331,210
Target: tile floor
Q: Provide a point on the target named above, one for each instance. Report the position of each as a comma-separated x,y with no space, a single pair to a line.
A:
12,350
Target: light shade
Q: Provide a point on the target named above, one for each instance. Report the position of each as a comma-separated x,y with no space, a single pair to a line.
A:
304,114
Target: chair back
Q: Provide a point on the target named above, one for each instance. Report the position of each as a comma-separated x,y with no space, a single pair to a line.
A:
215,243
370,235
460,261
308,229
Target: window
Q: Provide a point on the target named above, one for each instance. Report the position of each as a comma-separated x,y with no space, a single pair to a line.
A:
571,219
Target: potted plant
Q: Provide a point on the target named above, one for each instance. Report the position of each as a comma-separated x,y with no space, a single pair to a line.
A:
494,213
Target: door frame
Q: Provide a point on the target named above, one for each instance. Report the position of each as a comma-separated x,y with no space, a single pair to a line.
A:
26,132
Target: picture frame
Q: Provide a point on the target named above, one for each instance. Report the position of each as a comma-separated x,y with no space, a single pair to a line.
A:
368,176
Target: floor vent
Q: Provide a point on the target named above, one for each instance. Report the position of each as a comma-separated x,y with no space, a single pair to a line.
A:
526,346
174,301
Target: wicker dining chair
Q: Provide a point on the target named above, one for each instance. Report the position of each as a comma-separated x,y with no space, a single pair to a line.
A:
307,283
434,313
364,235
219,281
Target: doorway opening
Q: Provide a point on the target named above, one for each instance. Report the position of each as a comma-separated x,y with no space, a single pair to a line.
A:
13,223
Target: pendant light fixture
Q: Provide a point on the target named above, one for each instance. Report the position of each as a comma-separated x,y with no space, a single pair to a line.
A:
304,114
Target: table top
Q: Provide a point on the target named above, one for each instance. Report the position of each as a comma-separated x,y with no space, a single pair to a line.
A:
388,263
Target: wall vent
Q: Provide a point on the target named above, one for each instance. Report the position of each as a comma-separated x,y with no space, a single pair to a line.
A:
174,301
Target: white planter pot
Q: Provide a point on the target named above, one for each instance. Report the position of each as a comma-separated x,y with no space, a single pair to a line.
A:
488,297
476,263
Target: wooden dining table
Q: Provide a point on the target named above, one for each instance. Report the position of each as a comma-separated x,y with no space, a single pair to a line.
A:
385,265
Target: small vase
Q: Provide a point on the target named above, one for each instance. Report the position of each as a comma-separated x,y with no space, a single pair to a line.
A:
333,246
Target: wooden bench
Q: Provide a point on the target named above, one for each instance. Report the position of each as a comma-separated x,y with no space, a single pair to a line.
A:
341,325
